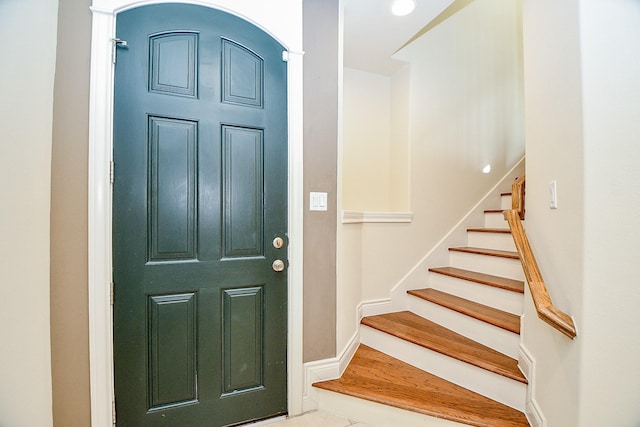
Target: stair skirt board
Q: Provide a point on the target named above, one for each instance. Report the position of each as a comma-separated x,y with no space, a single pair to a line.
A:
492,336
497,266
376,414
502,299
497,387
439,254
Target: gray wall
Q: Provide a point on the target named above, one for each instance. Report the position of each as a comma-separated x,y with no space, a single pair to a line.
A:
320,174
69,311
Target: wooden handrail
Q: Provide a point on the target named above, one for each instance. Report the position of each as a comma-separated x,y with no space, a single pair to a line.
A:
541,298
517,196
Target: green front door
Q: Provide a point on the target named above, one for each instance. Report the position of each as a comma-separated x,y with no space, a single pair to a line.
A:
200,194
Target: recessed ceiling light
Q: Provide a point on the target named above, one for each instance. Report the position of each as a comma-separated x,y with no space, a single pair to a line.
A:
402,7
486,169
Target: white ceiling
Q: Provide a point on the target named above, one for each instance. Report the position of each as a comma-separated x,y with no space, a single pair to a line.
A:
372,34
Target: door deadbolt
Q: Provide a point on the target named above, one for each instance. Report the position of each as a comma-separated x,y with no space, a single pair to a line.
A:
278,242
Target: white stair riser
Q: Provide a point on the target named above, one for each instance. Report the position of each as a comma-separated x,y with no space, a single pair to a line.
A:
493,386
505,202
502,299
498,241
492,336
496,266
495,220
376,414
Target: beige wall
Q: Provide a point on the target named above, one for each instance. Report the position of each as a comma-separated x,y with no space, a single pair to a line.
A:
69,316
581,89
28,34
399,158
375,141
320,18
366,142
554,151
611,96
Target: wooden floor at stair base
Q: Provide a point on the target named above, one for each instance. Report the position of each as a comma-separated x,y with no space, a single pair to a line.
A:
380,378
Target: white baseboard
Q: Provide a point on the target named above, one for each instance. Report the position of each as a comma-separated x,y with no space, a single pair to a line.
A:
527,365
332,368
373,308
320,370
324,370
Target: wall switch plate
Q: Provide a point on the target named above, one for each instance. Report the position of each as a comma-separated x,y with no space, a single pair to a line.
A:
553,195
317,201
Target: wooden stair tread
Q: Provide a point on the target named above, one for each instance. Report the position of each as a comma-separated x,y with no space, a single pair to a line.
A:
425,333
485,279
489,230
493,316
488,252
508,193
377,377
494,210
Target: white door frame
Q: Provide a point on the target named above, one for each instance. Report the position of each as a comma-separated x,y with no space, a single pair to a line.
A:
282,19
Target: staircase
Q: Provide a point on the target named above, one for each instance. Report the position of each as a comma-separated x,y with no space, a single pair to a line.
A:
451,358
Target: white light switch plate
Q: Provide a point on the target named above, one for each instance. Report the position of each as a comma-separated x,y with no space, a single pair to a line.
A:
317,201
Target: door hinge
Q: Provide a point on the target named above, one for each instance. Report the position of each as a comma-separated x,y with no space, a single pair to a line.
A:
111,295
115,43
113,412
111,172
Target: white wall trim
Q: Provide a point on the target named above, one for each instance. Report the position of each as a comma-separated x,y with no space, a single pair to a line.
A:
357,217
527,365
99,221
100,202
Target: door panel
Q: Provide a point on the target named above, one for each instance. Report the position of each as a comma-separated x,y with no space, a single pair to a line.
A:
172,193
243,180
173,63
172,349
200,153
242,75
243,332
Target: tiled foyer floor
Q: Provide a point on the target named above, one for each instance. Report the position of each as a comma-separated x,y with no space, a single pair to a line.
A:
311,419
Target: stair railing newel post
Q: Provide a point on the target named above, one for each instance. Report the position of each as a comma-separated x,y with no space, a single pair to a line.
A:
541,298
517,196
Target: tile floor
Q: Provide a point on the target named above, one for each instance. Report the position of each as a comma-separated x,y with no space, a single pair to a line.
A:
310,419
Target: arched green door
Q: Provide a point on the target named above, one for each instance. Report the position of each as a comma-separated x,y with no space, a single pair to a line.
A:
200,193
